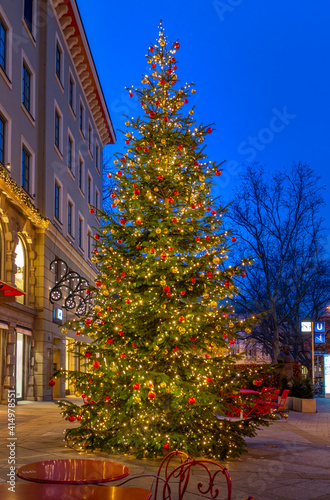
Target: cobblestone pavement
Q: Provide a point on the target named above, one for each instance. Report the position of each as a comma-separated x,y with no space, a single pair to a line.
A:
290,460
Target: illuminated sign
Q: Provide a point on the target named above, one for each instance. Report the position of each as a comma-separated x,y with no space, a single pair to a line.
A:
58,315
306,326
327,373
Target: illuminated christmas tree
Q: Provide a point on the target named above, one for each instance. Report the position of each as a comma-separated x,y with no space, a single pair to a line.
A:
159,369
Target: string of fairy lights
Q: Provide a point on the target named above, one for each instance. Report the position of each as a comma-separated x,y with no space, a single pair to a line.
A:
163,318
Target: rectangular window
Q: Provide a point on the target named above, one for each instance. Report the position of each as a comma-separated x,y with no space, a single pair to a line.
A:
97,197
58,62
28,13
2,140
90,135
26,166
70,154
81,175
71,91
3,45
97,157
57,201
70,218
26,88
89,190
80,233
57,129
89,244
81,118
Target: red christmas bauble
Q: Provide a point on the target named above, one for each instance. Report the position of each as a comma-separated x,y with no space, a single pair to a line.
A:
96,364
182,293
109,175
151,394
170,200
176,45
151,49
174,220
122,274
119,242
88,321
165,119
152,250
146,150
225,336
227,283
232,341
127,141
218,172
191,401
157,103
180,146
71,418
107,398
136,387
138,247
128,301
209,130
207,356
160,177
119,172
209,274
181,319
137,191
243,275
153,65
196,163
233,238
78,333
193,280
186,101
122,221
193,205
175,349
174,67
166,446
213,212
166,289
96,236
78,417
138,221
164,255
130,94
176,193
197,238
91,210
113,195
171,249
51,383
192,338
109,341
169,294
88,354
152,114
207,237
209,379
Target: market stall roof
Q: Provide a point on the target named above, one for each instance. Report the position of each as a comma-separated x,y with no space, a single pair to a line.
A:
8,290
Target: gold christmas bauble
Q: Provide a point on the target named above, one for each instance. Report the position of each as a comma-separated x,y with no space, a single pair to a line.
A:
218,327
190,288
182,329
163,385
193,91
127,123
216,260
213,303
202,178
156,189
201,139
128,134
94,260
162,43
191,228
202,186
147,177
106,293
156,348
163,141
114,369
149,61
191,112
206,295
104,275
64,331
202,275
158,230
248,330
116,162
163,277
165,230
97,307
231,325
113,231
163,306
137,399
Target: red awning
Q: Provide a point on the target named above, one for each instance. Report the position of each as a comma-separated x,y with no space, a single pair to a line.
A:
8,290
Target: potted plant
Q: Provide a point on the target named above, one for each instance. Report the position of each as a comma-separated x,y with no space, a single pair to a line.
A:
303,395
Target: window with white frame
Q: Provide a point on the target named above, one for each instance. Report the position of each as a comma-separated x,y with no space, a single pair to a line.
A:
70,153
57,199
89,188
58,128
2,140
97,198
89,243
90,138
81,174
81,232
72,91
97,157
58,61
26,169
81,118
70,214
27,87
28,14
3,45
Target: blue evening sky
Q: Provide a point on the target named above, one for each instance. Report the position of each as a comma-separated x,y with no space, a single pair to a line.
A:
261,71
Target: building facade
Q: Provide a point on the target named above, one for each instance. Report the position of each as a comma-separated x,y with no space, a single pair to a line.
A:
54,123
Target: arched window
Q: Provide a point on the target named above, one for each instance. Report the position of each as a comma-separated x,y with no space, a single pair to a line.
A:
21,269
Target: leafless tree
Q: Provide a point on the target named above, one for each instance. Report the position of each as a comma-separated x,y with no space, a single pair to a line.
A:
276,218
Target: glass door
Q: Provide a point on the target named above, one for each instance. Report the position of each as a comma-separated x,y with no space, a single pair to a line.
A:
19,365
